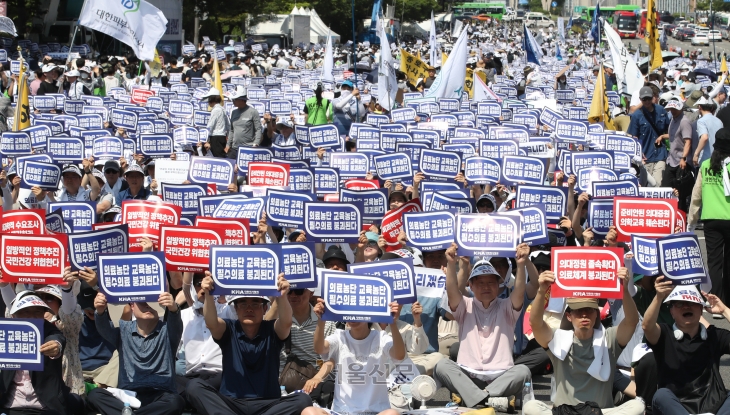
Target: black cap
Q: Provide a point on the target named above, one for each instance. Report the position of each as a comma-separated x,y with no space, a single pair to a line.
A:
335,252
111,165
86,296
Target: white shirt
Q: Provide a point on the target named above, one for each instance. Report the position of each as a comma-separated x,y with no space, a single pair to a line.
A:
202,354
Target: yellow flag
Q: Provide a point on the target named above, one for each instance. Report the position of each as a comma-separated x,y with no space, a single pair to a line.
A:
156,65
413,67
443,59
599,104
723,65
21,118
418,54
217,76
652,37
469,80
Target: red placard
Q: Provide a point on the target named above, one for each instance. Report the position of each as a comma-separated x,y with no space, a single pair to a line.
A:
268,174
24,221
235,230
139,96
331,197
186,248
100,226
589,272
681,221
652,218
362,184
34,259
146,219
392,223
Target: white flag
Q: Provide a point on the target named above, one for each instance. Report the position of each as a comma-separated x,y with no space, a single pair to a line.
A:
433,49
627,72
561,29
449,83
458,25
387,83
136,23
482,92
329,62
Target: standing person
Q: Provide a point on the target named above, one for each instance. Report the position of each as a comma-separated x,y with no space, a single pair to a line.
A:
146,348
250,348
707,127
318,109
39,78
678,173
348,107
218,124
50,82
648,123
710,192
245,125
687,353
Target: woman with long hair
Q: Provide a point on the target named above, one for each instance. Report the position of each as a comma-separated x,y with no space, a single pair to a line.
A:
712,193
317,108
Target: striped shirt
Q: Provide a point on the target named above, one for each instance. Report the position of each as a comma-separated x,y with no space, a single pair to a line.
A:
218,123
302,339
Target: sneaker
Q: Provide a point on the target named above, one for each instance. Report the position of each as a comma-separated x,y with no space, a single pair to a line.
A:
502,404
455,398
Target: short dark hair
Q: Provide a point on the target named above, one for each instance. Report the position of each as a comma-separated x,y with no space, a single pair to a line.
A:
215,99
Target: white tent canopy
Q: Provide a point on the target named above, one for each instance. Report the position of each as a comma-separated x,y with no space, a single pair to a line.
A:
319,30
281,24
422,29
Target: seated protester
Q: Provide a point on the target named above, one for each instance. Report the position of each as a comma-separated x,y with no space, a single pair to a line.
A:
72,190
285,137
38,392
110,215
359,347
114,183
687,353
250,347
99,360
583,353
335,259
135,179
486,203
486,336
202,355
146,348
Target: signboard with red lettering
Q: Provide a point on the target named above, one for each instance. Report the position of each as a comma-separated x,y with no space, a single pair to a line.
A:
186,248
235,230
146,219
33,259
589,272
139,96
392,223
362,184
651,218
25,221
268,174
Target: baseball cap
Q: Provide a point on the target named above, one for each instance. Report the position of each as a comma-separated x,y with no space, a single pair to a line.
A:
674,104
348,83
72,73
285,122
230,299
646,92
111,165
26,299
483,267
687,293
48,68
578,303
72,168
51,289
335,252
134,168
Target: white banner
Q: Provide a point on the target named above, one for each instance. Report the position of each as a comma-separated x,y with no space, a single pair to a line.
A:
627,72
449,82
134,22
171,171
7,26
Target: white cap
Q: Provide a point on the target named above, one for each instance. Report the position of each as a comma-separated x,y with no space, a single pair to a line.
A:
24,300
704,101
240,92
286,122
674,104
49,67
231,298
483,267
214,92
685,293
73,73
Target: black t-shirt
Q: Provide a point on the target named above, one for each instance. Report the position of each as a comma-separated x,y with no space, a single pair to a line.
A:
47,88
679,362
724,116
175,70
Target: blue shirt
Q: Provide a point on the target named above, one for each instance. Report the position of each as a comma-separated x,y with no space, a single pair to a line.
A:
429,320
94,351
708,124
143,194
641,128
250,366
144,362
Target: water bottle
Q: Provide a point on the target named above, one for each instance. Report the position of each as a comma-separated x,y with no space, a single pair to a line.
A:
527,394
127,410
283,390
405,388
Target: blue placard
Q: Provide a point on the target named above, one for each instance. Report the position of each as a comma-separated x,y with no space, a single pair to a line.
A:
403,114
55,223
359,298
78,216
571,131
646,256
218,171
440,201
613,189
184,195
186,135
680,259
245,270
109,148
132,277
84,248
554,200
624,144
350,164
286,208
55,126
582,160
586,177
487,235
250,209
21,341
489,108
482,170
208,204
90,121
430,136
498,149
600,216
429,231
66,149
299,265
400,271
519,170
393,166
38,135
249,154
324,136
389,140
549,117
44,103
333,222
517,135
534,231
280,107
288,153
15,144
44,175
326,180
427,196
123,119
440,165
156,145
374,202
301,180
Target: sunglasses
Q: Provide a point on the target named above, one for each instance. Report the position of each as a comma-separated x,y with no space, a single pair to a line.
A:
111,172
297,291
647,99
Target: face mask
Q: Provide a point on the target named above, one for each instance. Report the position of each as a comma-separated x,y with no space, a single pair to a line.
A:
84,76
194,294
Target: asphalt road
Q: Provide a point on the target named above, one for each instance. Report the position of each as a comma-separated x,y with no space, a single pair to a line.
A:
715,47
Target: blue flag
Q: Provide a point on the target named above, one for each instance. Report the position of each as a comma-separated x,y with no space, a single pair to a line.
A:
595,25
558,56
532,50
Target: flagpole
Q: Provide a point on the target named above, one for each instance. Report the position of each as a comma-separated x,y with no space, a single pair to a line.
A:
354,59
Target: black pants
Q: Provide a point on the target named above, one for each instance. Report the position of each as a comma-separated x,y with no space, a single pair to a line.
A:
717,242
218,145
208,401
535,358
232,153
684,188
154,402
29,411
324,393
645,377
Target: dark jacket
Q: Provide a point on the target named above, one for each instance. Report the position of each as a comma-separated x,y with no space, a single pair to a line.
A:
48,384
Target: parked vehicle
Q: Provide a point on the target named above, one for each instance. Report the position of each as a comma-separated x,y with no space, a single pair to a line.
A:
538,20
700,39
715,36
685,34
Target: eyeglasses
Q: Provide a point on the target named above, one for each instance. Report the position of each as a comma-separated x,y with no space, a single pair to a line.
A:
297,291
252,306
111,172
647,99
